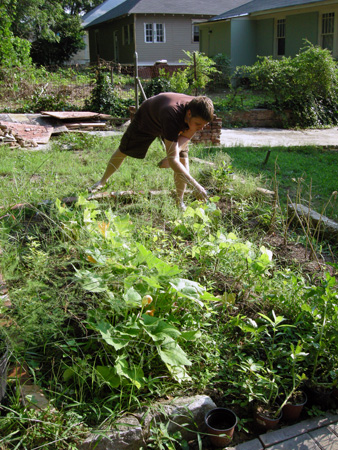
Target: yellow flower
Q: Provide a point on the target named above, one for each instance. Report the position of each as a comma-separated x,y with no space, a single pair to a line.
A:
147,299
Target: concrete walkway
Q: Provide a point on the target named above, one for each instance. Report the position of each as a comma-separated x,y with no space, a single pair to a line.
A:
274,137
317,433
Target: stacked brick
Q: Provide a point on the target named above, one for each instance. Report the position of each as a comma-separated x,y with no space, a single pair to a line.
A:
8,137
211,133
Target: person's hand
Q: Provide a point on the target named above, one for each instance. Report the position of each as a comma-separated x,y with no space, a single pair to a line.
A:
200,193
96,187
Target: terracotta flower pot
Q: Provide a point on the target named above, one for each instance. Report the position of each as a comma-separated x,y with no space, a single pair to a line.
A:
265,417
220,425
292,410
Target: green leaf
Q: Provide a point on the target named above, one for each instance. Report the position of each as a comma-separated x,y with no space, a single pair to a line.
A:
132,297
191,335
134,374
92,282
178,373
159,330
109,375
189,289
173,355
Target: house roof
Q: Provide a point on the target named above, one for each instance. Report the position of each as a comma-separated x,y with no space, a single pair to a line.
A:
259,6
111,9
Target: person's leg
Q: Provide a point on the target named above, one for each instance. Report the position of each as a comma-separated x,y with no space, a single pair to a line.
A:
114,163
181,184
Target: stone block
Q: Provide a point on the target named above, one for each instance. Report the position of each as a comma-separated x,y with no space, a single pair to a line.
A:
255,444
325,438
127,435
327,226
303,442
300,428
185,414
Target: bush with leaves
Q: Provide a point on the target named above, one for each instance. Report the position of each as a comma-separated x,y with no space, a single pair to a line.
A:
156,86
200,70
105,99
223,65
307,85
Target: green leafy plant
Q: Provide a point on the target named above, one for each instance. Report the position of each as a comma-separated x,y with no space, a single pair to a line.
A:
307,85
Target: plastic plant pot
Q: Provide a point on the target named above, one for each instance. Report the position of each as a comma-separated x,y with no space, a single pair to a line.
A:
220,425
291,411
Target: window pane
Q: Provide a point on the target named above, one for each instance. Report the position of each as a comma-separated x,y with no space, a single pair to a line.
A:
281,28
327,30
125,35
149,32
327,42
131,33
159,32
196,33
281,46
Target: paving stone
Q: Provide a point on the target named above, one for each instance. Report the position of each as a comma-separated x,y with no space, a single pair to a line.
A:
325,439
334,428
303,442
255,444
273,437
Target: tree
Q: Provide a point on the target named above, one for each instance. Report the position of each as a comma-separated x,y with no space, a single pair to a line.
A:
13,50
53,26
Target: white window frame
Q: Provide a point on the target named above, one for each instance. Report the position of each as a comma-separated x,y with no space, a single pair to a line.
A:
327,32
154,33
195,22
279,37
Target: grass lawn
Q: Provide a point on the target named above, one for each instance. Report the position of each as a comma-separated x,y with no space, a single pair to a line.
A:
309,175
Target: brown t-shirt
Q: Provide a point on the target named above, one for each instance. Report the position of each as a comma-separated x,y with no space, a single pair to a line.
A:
163,115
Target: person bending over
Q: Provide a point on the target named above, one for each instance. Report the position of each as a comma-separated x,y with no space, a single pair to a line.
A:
175,118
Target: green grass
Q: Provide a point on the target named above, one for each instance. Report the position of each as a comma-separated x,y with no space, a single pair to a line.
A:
77,276
308,174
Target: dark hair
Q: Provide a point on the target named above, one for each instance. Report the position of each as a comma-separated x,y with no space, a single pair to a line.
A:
201,107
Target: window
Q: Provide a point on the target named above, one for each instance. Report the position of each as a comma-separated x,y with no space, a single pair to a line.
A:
154,32
327,30
195,33
131,33
125,35
280,37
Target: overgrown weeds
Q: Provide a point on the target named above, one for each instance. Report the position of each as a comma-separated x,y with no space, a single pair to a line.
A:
117,304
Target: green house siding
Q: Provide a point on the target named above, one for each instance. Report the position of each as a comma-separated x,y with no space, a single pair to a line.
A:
297,28
243,42
264,37
215,39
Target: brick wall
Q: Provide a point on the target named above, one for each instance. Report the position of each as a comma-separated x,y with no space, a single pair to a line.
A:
211,133
257,118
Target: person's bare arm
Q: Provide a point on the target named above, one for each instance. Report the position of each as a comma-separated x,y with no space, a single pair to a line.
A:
173,158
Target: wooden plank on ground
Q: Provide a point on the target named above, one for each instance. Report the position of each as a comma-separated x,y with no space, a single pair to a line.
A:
71,115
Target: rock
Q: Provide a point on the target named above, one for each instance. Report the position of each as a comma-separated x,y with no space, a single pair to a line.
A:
183,414
127,435
327,227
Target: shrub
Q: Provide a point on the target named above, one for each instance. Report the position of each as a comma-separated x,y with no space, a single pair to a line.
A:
306,84
105,99
156,86
223,65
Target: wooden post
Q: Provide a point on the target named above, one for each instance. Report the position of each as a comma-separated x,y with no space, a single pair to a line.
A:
136,80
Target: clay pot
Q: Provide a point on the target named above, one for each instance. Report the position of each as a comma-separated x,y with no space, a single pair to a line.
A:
220,426
292,410
319,396
265,418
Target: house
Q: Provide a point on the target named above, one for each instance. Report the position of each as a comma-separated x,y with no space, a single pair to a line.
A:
156,30
270,28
